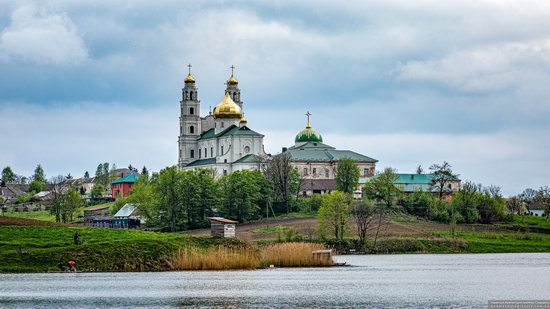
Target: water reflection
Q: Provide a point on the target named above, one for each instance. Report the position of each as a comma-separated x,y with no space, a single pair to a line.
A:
398,281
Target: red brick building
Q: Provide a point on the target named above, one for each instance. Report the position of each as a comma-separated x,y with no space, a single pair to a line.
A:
122,186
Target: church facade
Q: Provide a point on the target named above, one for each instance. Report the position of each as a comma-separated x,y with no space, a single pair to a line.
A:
317,162
221,140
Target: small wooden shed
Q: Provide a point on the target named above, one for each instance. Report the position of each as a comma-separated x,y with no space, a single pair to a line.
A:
221,227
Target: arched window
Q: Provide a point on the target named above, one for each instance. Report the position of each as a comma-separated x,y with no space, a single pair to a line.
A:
187,95
192,153
205,153
191,111
246,149
190,95
235,96
192,130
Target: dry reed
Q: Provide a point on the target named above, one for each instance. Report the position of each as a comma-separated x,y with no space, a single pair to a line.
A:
295,255
215,258
278,255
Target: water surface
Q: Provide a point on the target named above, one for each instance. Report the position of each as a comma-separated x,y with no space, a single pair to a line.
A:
396,281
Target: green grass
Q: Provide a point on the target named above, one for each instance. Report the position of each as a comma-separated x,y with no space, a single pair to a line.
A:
503,242
102,249
36,215
529,222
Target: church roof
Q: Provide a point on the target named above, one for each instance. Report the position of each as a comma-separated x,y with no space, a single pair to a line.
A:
410,182
202,162
315,151
231,130
131,178
249,158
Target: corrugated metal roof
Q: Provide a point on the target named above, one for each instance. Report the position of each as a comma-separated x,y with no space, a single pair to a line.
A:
126,211
128,178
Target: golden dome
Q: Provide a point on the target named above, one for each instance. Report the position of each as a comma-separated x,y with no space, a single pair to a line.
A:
227,108
189,78
232,80
243,120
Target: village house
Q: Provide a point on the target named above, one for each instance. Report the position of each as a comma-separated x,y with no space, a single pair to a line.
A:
221,227
123,186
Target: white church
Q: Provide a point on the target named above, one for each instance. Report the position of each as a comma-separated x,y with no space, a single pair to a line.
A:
221,140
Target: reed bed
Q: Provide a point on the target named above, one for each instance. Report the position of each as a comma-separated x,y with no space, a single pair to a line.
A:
224,258
215,258
295,254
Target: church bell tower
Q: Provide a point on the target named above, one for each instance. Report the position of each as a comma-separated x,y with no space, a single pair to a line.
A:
233,89
190,121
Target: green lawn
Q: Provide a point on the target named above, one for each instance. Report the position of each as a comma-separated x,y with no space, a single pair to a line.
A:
42,248
502,242
36,215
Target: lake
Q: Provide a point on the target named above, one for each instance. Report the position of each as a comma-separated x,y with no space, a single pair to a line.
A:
397,281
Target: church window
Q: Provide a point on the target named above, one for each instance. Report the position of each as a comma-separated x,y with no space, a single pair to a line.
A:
366,171
211,151
246,149
200,153
190,95
222,150
205,153
191,111
192,153
186,95
192,130
234,96
305,170
314,171
224,160
327,175
222,124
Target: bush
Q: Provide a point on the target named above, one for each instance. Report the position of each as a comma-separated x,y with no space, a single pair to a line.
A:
440,212
419,203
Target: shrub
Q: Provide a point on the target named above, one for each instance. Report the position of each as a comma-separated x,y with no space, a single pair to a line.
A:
440,212
419,203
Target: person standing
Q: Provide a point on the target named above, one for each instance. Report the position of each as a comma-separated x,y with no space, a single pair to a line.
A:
72,266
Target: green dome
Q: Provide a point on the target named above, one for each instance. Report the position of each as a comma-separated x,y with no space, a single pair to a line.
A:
308,135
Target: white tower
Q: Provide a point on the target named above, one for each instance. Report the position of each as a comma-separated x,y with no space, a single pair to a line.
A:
233,89
190,121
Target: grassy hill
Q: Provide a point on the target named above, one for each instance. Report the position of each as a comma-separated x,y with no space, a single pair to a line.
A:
32,248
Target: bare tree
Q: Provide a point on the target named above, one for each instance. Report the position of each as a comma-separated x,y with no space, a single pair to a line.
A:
515,204
283,177
362,213
58,187
442,177
527,196
542,199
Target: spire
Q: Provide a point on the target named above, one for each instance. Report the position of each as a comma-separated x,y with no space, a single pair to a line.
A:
189,78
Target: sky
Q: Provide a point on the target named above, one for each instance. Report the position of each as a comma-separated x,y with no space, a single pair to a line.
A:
405,82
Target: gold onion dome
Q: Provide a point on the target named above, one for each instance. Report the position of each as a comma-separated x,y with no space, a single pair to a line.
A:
189,78
243,119
227,108
232,80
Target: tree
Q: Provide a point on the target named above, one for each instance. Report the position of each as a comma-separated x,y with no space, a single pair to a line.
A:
8,176
382,189
57,190
333,214
70,202
97,191
170,209
442,176
144,171
491,206
418,203
515,205
527,196
419,170
208,195
347,175
86,175
363,212
241,194
37,186
466,202
542,198
39,174
283,178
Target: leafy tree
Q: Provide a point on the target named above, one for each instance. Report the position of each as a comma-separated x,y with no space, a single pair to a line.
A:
8,176
144,195
382,189
86,175
542,198
419,170
208,196
97,191
347,175
56,197
442,176
466,202
491,207
70,201
39,174
418,203
144,171
241,197
37,186
170,209
363,213
283,178
188,197
334,213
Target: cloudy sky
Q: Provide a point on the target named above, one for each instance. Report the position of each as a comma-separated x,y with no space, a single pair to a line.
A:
405,82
